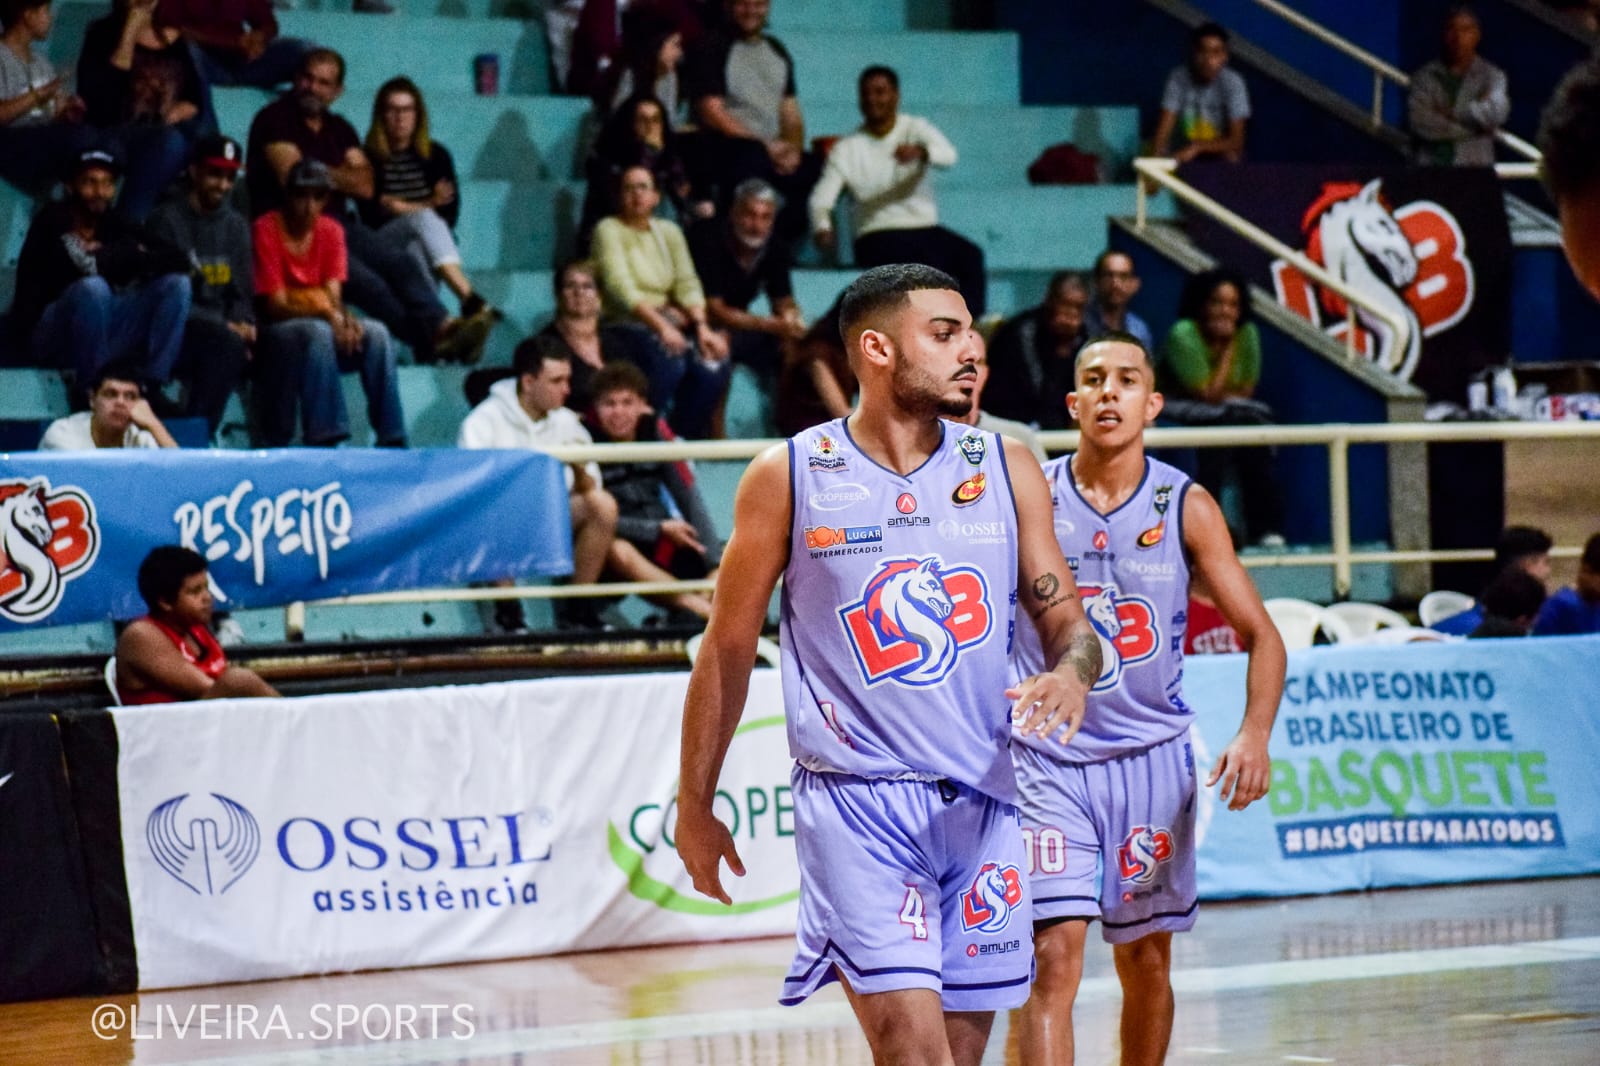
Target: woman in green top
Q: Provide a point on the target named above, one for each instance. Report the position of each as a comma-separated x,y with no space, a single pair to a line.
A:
1210,365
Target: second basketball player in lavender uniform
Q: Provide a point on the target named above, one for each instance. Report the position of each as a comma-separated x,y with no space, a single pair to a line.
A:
1109,820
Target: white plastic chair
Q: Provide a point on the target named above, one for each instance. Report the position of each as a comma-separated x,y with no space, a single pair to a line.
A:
111,681
1410,635
1298,622
1440,604
1365,619
766,649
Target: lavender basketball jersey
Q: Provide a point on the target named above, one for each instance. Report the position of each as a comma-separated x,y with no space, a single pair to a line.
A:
897,603
1134,580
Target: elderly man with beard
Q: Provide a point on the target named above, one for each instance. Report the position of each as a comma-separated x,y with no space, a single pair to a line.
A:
385,280
738,258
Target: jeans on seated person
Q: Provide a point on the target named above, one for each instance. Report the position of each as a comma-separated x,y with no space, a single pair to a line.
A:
391,285
425,235
270,69
153,156
684,388
89,325
298,362
212,360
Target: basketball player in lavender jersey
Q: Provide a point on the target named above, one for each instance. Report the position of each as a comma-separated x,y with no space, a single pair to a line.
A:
900,537
1122,796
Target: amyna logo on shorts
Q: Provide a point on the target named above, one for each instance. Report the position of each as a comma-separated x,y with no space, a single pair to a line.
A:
914,617
1142,852
986,907
753,801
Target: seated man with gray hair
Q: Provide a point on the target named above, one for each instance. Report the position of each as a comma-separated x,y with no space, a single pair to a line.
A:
739,258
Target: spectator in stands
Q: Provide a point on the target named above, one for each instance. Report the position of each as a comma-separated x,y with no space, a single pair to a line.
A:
1458,102
884,167
169,655
529,411
1115,286
310,337
664,529
976,416
118,417
651,53
647,276
1209,368
386,281
1206,631
415,199
140,85
637,135
1522,548
1576,609
576,330
1569,138
221,328
1030,356
816,383
739,259
1205,105
1510,604
93,287
234,42
741,89
41,122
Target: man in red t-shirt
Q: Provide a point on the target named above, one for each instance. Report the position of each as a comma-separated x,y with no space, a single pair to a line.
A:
170,655
309,337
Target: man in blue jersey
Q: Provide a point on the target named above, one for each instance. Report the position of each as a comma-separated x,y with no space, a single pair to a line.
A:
905,542
1109,822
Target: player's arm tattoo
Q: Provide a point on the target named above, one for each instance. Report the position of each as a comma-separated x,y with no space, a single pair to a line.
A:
1047,593
1083,655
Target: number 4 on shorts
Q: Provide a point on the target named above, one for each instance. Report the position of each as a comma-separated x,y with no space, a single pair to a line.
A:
912,913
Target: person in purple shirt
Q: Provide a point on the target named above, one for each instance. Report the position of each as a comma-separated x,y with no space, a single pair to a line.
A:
1576,609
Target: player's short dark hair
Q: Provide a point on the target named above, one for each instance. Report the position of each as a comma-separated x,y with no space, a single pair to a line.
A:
532,354
11,11
1205,30
886,289
1517,542
322,55
1569,133
116,370
619,377
1513,594
1590,559
1115,336
164,571
878,70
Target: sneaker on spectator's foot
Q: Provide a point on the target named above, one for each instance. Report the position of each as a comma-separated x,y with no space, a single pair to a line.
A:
508,617
230,634
474,304
464,338
1272,542
579,614
373,7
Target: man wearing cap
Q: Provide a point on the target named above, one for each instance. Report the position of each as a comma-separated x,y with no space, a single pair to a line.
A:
216,238
308,337
93,287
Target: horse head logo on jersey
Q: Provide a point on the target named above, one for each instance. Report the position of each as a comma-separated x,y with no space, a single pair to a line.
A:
986,907
1126,626
1142,852
46,537
913,619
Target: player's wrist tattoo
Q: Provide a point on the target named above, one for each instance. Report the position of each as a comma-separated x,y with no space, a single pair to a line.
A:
1083,655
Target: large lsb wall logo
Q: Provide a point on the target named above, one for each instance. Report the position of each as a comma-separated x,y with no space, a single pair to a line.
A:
1410,260
47,537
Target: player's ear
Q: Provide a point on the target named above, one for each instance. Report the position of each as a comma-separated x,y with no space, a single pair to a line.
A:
1154,404
875,346
1072,405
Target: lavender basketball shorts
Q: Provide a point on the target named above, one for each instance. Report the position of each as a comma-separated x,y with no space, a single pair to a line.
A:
1112,840
910,884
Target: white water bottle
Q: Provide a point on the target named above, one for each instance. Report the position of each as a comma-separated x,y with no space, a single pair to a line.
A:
1503,387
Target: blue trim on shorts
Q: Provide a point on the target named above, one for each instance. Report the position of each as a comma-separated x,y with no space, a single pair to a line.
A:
829,948
988,984
1058,899
1153,918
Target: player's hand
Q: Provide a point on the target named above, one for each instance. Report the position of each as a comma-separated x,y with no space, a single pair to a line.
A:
1244,770
703,842
1047,704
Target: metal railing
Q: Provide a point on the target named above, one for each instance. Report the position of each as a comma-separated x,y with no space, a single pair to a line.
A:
1382,71
1336,437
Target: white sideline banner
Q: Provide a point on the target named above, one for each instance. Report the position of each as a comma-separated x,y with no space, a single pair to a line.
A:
273,838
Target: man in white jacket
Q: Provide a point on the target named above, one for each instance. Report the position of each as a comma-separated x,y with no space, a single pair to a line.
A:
528,410
884,167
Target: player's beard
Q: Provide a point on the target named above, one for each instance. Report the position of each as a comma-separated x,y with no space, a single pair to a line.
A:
920,393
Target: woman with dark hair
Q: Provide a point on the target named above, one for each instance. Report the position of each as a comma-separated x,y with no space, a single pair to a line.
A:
139,84
414,200
578,332
1209,368
652,51
638,134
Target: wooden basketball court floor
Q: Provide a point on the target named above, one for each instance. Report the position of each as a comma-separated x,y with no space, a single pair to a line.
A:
1504,973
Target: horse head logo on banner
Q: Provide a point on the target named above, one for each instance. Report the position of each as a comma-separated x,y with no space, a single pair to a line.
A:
46,537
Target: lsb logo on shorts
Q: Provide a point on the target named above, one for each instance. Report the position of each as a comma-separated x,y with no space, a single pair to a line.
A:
1142,851
997,890
914,617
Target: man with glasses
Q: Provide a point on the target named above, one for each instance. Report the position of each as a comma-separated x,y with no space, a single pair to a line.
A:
310,337
1115,286
216,238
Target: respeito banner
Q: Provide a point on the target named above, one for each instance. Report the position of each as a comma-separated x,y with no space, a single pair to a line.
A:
275,526
1430,245
265,838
